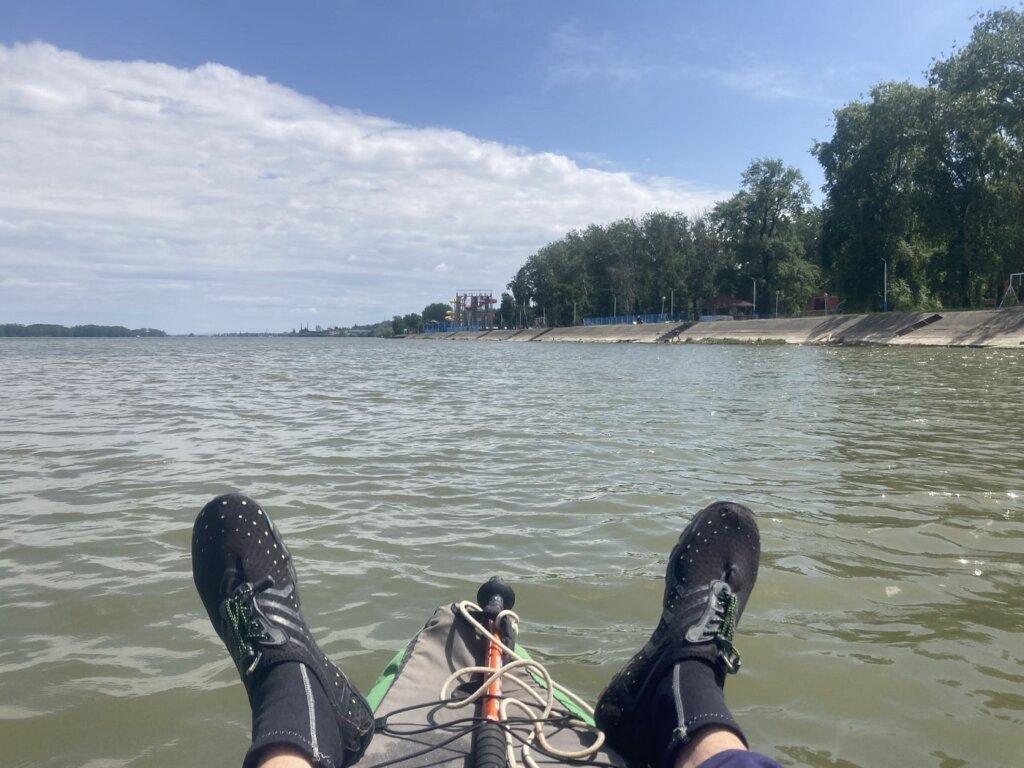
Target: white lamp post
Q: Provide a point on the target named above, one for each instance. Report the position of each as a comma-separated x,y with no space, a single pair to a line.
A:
885,285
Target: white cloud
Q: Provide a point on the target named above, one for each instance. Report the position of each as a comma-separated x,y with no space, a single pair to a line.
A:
206,199
578,58
764,82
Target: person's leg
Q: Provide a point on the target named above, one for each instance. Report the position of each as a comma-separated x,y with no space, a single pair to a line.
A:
705,744
283,757
738,758
666,707
305,711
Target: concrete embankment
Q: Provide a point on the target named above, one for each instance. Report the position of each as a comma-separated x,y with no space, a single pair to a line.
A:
1001,328
650,333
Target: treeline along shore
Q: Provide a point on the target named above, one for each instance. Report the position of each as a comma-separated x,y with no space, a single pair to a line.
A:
921,212
923,196
93,331
998,328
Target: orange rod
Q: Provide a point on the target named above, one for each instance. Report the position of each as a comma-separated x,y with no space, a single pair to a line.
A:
492,701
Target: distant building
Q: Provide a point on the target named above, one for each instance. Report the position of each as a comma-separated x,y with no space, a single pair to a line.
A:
822,304
726,305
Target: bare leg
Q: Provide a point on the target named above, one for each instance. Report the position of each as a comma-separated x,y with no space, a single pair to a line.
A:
284,757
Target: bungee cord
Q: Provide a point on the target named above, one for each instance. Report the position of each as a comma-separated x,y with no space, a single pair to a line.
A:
546,702
525,730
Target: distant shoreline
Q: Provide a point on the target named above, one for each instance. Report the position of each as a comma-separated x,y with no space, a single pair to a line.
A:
994,328
50,330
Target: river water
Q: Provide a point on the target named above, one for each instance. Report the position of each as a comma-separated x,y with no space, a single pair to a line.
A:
887,627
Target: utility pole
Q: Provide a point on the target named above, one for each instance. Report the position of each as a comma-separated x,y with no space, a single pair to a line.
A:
885,285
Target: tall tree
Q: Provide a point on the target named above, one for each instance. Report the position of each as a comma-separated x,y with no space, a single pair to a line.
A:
872,218
978,172
622,262
435,313
931,180
761,228
667,251
702,272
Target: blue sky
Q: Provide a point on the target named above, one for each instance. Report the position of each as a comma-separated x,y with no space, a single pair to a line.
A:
218,166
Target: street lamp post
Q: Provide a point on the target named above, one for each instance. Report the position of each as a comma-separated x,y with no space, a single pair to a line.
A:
672,304
663,308
885,285
615,306
753,312
776,302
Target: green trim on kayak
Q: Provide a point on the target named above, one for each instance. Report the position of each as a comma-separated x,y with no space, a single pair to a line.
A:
390,674
385,680
560,697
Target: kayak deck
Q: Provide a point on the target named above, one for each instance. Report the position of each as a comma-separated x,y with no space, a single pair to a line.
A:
415,729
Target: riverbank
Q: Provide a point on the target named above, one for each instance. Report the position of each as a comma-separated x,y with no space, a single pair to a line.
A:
1000,328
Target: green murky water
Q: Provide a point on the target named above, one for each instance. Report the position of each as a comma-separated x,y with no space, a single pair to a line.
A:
887,627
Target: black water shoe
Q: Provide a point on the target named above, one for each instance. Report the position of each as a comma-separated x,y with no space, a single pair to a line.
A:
673,686
247,582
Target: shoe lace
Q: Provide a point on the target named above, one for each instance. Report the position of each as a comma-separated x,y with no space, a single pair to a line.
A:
718,624
246,625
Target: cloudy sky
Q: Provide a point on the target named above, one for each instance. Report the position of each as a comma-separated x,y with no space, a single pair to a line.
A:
247,165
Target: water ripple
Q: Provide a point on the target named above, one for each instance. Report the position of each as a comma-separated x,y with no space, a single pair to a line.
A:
888,484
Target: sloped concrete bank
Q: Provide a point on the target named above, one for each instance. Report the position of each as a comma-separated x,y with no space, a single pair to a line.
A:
998,328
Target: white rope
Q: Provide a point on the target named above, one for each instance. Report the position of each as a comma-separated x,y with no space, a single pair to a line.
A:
547,701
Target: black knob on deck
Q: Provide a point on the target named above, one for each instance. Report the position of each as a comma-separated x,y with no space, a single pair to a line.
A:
495,596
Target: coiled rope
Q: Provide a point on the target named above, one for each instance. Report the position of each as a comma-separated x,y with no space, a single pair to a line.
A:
546,702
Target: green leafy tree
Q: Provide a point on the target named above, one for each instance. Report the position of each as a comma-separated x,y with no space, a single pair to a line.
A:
46,329
873,166
413,322
761,229
435,313
507,311
703,270
665,259
978,173
383,330
931,180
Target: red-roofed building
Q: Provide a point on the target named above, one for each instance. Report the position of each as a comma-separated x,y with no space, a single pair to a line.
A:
822,304
726,304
